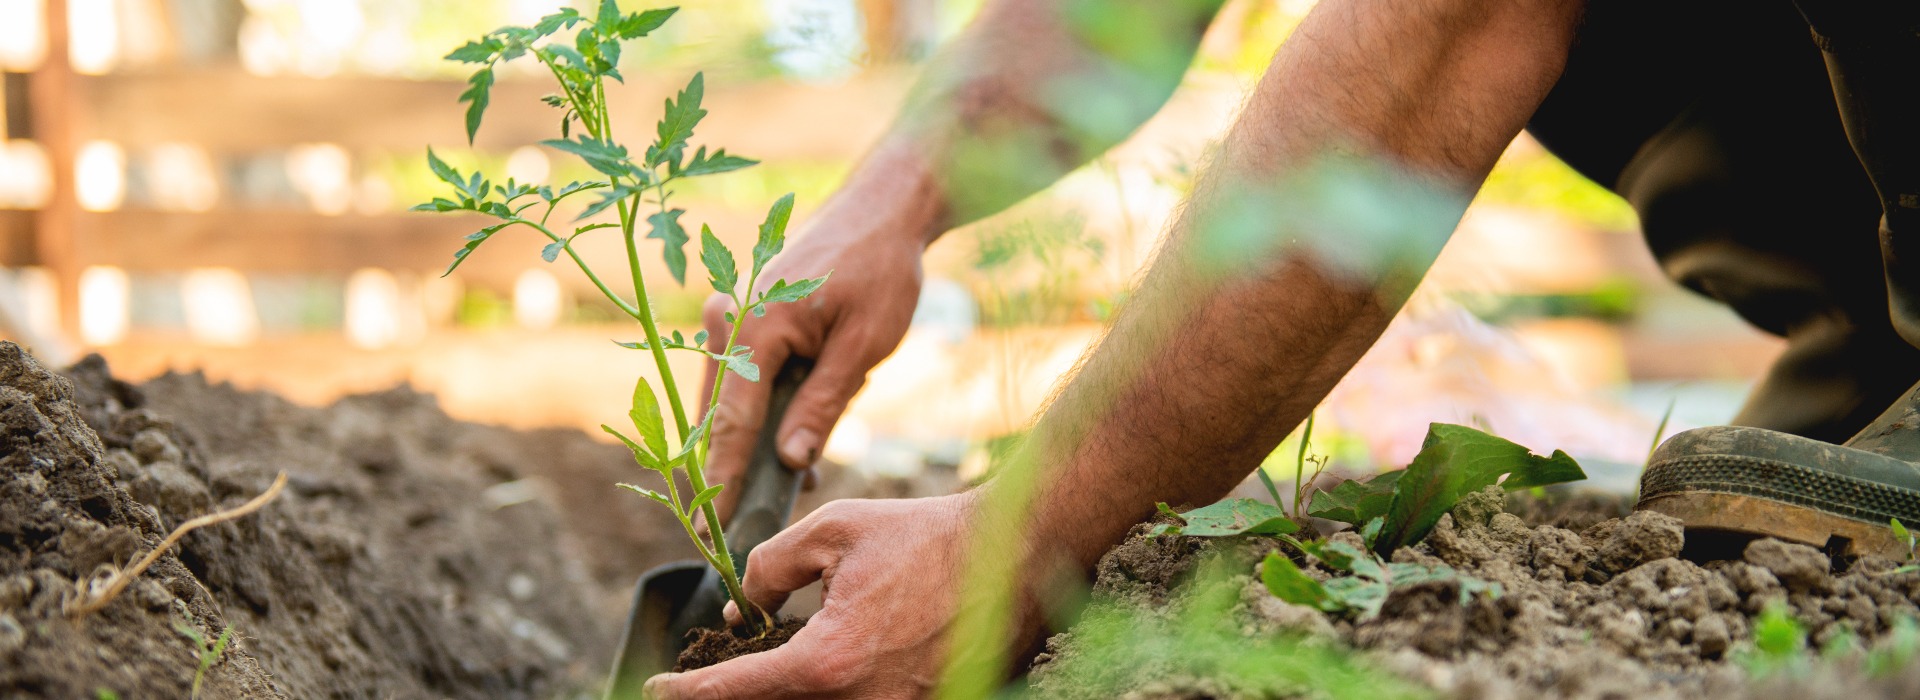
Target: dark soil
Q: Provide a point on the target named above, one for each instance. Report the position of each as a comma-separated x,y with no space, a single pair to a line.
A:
711,647
410,556
1605,611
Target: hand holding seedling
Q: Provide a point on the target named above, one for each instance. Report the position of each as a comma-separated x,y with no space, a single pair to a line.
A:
1249,315
637,186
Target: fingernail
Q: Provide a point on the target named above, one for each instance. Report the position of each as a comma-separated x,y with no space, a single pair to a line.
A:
801,448
656,686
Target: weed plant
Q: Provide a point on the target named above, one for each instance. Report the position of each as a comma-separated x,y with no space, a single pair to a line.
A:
632,183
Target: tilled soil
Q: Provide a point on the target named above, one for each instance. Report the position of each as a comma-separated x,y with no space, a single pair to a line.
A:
411,556
1607,611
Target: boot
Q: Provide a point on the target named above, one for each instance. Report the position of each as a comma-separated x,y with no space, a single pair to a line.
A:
1755,482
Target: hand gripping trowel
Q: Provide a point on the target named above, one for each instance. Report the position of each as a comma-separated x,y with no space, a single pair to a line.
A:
673,599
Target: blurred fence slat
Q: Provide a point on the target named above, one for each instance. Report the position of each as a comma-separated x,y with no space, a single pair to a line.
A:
229,110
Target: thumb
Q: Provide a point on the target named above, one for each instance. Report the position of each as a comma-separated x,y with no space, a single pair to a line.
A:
818,405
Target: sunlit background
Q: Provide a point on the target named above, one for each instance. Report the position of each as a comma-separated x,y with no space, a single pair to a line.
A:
219,185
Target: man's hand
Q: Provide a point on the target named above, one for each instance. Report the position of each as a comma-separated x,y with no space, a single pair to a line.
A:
889,569
856,319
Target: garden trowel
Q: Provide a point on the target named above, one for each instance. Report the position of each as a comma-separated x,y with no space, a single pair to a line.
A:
673,599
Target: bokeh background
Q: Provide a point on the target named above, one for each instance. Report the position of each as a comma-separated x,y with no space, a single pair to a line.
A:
221,186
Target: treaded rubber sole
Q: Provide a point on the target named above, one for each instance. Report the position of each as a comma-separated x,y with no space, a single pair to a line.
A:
1773,498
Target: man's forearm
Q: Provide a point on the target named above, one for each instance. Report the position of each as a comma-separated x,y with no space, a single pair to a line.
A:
1030,91
1333,193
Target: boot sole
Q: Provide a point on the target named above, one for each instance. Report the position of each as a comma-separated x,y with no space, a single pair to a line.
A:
1712,481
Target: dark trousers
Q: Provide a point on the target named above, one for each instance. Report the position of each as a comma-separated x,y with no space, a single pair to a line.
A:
1772,150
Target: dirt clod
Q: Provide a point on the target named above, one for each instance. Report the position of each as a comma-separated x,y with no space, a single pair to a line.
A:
1605,612
356,582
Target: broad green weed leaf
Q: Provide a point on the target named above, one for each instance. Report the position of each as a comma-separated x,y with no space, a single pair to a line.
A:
477,97
719,261
1355,501
645,414
773,233
552,250
666,228
1239,516
1457,460
649,493
1286,581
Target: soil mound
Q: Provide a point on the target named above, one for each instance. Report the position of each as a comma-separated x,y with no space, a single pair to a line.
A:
410,556
1608,611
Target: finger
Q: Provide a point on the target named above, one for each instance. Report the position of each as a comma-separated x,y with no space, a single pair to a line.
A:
796,557
786,671
822,400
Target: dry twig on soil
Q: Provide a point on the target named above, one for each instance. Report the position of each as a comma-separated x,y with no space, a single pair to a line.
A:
85,603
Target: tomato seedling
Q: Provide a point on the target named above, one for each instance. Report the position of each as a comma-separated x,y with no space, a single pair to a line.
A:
629,181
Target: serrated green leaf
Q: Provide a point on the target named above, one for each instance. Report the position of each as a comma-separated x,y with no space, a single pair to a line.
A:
607,158
607,199
564,19
473,243
1239,516
673,239
640,454
1457,460
782,293
646,417
649,493
719,261
441,170
741,362
480,51
609,17
1286,581
676,126
477,97
643,23
610,55
1356,501
773,233
704,497
719,162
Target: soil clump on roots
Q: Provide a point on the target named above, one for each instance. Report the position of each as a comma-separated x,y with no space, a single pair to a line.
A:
411,555
1607,610
709,647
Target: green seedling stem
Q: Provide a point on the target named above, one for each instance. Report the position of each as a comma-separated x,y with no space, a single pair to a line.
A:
582,68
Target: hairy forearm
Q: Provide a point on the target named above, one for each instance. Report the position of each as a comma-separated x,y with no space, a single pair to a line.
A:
1346,173
1030,91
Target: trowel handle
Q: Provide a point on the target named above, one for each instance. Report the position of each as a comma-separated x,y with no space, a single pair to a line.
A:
767,496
